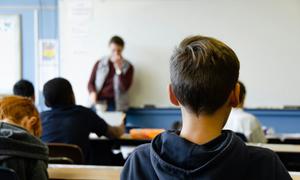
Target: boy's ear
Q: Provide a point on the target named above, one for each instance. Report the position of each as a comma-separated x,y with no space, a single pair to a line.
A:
235,95
172,96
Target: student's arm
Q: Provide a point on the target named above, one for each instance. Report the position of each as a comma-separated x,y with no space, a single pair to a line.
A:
257,134
126,79
101,128
114,132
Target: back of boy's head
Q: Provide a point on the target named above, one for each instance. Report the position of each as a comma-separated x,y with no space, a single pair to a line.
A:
24,88
58,92
15,108
242,92
204,71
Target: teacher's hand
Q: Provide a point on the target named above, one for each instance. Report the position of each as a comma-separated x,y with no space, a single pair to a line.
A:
118,61
93,96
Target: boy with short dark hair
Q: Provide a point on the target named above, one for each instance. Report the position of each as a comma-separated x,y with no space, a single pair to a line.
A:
69,123
24,88
204,75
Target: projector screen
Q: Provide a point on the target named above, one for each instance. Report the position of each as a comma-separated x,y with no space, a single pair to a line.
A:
265,34
10,52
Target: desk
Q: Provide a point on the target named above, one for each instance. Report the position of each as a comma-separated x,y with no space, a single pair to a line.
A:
77,172
279,148
295,175
107,151
68,172
285,138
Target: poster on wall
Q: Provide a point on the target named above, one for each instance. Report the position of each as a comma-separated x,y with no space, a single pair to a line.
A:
48,61
48,52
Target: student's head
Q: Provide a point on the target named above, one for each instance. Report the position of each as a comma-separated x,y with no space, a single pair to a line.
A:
116,45
21,111
24,88
204,74
242,94
58,92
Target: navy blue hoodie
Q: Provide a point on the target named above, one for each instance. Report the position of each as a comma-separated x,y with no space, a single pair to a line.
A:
227,157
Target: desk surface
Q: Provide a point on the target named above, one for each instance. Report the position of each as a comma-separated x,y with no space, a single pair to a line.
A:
72,172
279,147
295,175
69,172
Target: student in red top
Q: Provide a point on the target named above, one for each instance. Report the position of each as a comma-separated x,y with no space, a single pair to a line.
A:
111,78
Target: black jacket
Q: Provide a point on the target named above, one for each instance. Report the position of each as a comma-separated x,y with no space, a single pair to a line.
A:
23,153
226,157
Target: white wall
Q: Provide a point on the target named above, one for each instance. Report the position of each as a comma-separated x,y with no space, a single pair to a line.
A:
263,33
10,52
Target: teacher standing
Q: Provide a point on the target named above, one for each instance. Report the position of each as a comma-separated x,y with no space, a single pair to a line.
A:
111,78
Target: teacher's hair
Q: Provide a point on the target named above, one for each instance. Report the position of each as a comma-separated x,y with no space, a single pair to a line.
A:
117,40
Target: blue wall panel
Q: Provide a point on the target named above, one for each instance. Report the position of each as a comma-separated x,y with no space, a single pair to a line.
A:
47,24
282,121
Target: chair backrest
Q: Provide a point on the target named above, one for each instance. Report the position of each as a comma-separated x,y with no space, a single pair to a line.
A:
63,151
60,160
8,174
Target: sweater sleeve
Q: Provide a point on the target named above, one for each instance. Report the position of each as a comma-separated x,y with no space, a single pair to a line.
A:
91,83
126,79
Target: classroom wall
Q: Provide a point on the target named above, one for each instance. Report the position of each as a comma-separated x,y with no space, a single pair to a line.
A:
263,33
39,19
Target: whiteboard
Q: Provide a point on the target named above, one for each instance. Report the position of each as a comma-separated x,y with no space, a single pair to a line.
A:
10,52
265,34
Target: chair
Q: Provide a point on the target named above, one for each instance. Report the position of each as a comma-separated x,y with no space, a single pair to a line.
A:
65,153
60,160
8,174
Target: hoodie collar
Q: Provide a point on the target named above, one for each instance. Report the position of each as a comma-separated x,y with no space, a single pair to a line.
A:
171,153
16,141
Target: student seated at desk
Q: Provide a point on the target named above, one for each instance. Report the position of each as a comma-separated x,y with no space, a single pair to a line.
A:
242,122
204,75
20,149
69,123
